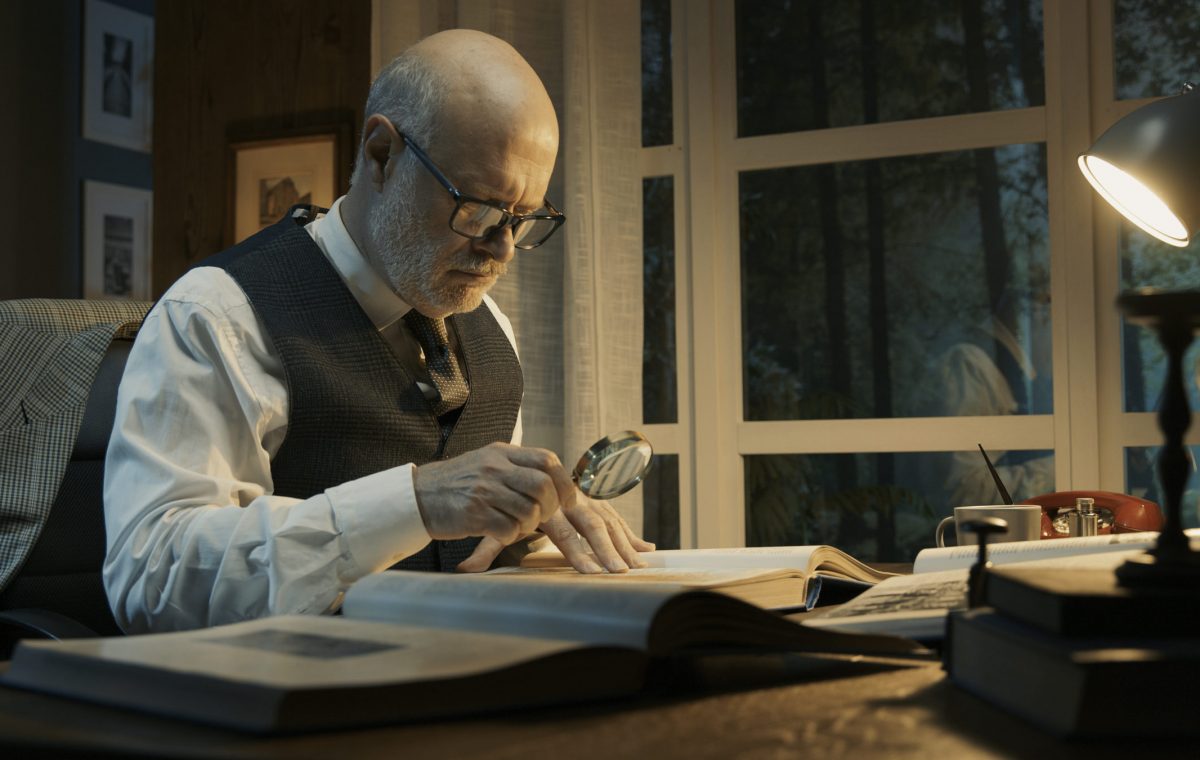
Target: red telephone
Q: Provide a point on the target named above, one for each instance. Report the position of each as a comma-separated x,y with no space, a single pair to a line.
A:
1119,512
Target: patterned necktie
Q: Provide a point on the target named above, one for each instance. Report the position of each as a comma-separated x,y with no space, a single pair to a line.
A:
441,362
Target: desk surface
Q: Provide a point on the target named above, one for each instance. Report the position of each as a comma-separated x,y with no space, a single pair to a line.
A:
815,707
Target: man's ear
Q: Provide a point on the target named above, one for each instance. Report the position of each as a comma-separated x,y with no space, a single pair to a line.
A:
381,144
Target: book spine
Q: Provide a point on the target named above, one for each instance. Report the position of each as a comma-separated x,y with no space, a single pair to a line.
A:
996,665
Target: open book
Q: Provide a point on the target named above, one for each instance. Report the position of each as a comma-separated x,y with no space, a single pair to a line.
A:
954,557
774,577
916,605
417,645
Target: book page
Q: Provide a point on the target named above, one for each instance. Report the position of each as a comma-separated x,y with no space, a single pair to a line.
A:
1110,560
769,588
806,559
932,560
944,590
689,577
770,557
794,557
913,606
810,559
576,610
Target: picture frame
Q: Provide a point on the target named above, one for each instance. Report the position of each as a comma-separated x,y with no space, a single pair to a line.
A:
118,76
270,173
117,235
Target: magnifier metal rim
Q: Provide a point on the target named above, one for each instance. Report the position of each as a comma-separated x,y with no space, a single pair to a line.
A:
629,437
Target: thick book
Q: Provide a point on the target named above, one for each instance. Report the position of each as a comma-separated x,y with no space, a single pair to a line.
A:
774,577
1100,686
1087,600
412,646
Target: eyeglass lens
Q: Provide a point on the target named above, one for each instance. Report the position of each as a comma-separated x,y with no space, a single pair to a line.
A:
478,220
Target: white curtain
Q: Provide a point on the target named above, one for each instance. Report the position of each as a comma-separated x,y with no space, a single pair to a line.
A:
576,302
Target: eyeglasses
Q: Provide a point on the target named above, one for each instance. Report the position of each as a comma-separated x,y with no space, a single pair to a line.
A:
477,219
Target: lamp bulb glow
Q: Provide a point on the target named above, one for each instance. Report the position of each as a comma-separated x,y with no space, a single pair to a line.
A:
1134,200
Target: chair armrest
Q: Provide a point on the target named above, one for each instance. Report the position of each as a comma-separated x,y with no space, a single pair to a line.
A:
41,624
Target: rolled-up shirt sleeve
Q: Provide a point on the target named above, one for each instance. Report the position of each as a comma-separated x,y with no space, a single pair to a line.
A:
196,534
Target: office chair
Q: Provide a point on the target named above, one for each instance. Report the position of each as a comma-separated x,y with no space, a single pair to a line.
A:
56,591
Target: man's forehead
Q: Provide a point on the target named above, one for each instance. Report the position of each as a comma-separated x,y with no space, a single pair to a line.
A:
502,163
518,181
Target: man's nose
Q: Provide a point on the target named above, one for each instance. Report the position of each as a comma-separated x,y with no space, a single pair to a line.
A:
498,245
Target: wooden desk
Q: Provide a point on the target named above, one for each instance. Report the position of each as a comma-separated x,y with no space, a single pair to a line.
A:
816,707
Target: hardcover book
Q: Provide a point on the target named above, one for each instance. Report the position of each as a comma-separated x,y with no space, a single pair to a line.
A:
1094,686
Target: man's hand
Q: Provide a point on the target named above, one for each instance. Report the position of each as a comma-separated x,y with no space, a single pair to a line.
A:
589,533
500,492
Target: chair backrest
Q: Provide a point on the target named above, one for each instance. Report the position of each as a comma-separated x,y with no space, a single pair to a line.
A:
62,571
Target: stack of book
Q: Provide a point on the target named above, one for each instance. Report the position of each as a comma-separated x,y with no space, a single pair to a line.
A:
1063,646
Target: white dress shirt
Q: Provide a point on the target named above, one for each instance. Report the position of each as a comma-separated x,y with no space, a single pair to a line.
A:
196,536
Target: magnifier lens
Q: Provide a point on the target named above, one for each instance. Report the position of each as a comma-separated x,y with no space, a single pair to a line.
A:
614,465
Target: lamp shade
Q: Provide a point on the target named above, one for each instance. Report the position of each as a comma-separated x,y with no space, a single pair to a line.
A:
1147,166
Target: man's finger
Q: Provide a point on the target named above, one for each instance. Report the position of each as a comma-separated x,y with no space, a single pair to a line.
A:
482,558
564,536
547,462
636,541
616,532
594,529
639,543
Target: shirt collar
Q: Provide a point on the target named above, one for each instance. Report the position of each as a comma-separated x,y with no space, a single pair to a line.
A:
381,304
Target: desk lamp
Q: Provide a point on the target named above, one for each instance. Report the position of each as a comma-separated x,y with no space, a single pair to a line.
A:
1147,166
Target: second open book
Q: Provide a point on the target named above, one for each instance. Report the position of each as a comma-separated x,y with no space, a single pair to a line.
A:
773,577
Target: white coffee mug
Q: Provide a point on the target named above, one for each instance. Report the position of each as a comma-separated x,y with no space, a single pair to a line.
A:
1024,522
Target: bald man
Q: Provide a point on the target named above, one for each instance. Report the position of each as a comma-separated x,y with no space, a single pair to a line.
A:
337,394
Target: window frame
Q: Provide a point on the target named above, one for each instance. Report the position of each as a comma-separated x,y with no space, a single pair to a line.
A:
1088,431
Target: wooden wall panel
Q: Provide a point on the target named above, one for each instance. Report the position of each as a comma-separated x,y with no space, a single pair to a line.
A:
226,67
35,159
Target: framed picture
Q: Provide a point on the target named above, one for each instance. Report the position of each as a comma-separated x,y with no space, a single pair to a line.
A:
118,76
268,175
116,241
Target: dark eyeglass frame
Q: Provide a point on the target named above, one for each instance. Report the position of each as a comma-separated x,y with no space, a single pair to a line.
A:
507,218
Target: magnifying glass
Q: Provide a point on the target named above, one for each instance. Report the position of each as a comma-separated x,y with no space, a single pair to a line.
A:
613,465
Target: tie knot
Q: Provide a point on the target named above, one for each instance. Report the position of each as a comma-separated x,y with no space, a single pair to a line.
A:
430,333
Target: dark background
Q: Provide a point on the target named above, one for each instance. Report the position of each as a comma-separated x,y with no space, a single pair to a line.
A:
222,68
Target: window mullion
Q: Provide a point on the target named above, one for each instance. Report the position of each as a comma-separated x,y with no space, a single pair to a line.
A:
1077,406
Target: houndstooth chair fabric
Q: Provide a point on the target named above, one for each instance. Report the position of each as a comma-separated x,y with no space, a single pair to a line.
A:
49,353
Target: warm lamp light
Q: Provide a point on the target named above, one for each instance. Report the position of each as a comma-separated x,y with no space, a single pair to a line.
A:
1147,167
1137,202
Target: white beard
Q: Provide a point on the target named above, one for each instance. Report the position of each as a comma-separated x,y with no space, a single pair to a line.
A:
415,258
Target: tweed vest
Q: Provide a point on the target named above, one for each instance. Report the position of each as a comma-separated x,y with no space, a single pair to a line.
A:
353,408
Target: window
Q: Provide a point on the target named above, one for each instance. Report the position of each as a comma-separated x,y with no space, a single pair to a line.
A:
883,255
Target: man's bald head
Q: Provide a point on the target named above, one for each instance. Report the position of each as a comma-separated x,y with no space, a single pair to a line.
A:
462,87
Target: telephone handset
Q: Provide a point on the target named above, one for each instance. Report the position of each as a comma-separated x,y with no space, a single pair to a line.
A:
1118,512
